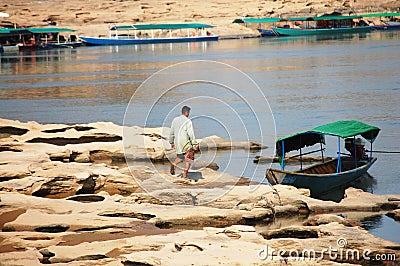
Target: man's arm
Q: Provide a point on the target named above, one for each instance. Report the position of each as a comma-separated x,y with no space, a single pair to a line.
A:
172,135
190,132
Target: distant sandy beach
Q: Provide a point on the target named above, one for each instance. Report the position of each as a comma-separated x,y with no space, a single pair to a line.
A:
94,17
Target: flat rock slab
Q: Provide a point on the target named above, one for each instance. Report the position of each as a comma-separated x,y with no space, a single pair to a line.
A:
30,257
101,141
38,221
395,214
212,244
98,214
47,223
354,200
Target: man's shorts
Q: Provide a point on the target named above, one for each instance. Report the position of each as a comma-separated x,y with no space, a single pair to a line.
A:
187,156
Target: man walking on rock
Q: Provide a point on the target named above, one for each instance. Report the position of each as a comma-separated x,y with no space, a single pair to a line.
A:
183,141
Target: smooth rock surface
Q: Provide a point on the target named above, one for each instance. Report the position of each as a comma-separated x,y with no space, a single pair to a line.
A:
79,204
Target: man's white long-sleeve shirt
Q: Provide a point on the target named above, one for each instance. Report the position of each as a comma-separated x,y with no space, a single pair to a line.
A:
182,134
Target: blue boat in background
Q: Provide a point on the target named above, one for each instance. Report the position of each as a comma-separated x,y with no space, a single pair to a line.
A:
145,34
267,33
264,32
388,25
390,21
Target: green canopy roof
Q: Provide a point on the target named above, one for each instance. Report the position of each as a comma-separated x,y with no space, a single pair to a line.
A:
342,128
298,140
5,31
125,27
257,20
49,30
33,30
163,26
392,14
323,18
348,128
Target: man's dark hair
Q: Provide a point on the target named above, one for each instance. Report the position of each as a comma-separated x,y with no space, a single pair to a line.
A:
185,109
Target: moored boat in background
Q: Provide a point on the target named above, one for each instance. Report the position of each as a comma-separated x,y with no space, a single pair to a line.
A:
389,23
264,31
323,25
138,34
32,39
267,33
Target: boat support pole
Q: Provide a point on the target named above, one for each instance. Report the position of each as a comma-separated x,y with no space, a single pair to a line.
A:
301,160
370,153
339,166
283,156
355,150
322,153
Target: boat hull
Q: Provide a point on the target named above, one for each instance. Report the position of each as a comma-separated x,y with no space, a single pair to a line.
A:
114,41
318,183
48,46
28,47
303,32
267,33
386,27
64,45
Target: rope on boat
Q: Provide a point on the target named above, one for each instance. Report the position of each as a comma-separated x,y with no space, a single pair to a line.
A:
391,152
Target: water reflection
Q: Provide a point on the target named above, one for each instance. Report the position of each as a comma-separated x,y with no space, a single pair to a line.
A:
171,47
315,38
38,56
382,226
372,222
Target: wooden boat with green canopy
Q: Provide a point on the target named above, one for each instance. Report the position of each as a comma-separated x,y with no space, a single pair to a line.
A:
326,176
32,39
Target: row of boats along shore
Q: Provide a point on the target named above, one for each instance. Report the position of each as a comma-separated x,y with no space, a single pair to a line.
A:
14,38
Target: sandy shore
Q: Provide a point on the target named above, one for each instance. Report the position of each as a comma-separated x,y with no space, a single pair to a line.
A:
92,17
68,198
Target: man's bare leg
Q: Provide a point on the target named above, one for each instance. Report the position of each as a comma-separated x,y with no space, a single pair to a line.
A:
172,168
186,170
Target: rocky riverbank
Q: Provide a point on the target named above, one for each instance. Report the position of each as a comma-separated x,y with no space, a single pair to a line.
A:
67,196
93,17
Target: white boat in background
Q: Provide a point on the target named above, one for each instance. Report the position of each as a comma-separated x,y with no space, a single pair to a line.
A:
145,34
